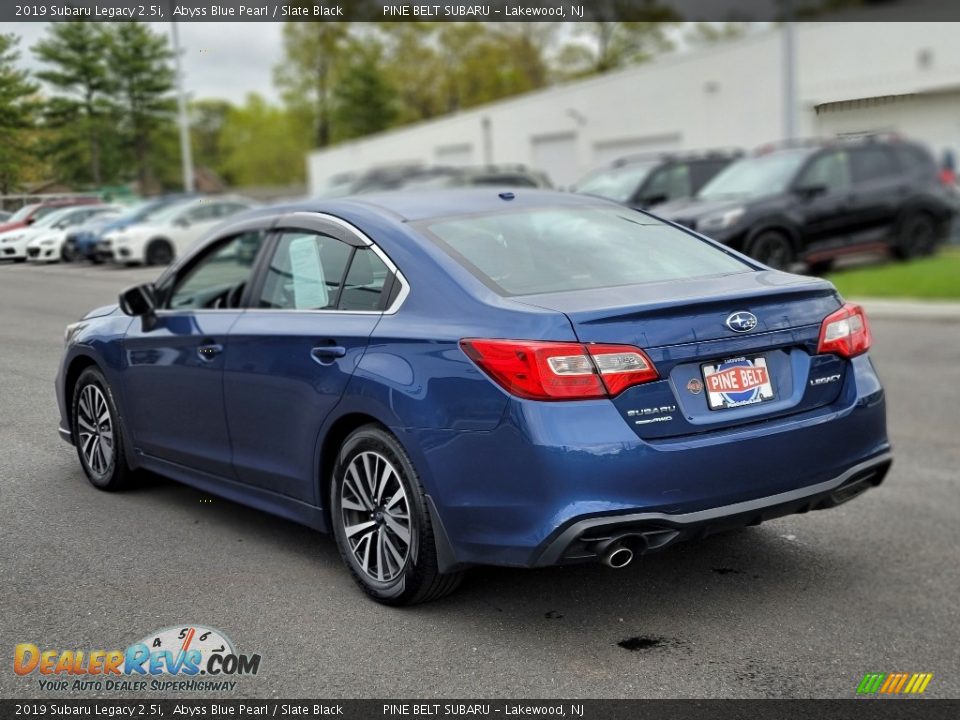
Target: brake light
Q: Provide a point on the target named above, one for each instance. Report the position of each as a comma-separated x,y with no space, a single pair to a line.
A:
539,370
845,332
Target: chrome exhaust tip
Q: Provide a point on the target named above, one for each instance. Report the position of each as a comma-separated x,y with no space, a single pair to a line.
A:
618,557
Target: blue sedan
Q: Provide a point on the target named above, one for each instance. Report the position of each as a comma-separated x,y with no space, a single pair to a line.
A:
478,377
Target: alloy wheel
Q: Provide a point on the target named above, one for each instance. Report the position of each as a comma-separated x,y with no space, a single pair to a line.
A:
375,512
95,429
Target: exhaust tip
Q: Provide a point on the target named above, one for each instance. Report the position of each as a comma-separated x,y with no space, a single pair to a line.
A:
618,557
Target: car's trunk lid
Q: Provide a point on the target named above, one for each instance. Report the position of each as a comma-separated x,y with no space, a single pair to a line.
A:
683,326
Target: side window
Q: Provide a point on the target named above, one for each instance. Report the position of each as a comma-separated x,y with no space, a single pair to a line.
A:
305,272
217,279
670,183
703,172
365,281
202,213
829,171
873,163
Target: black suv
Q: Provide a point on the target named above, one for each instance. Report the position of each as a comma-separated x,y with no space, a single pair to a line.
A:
815,201
643,181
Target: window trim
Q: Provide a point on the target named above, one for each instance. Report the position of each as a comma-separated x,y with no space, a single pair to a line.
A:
324,224
270,225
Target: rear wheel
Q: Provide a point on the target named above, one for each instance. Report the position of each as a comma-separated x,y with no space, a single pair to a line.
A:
381,524
159,252
773,249
917,236
97,434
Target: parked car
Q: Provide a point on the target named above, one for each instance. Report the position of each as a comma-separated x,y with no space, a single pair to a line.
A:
82,244
48,244
442,177
13,243
165,235
816,201
645,181
31,213
432,177
521,378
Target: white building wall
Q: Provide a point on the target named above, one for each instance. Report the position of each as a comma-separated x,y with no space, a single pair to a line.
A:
723,96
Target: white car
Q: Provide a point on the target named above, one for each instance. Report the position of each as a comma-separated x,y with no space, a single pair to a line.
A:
46,244
13,243
170,232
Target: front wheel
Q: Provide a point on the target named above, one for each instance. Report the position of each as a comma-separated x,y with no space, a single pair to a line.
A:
97,434
381,524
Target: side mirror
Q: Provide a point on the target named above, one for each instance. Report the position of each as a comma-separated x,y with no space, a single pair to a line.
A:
808,192
139,301
650,200
30,221
182,222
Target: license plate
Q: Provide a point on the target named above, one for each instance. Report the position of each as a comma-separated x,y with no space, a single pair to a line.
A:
737,382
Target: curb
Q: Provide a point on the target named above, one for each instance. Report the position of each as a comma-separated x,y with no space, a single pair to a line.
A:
910,309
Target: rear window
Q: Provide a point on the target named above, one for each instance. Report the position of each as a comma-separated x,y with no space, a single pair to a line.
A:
560,249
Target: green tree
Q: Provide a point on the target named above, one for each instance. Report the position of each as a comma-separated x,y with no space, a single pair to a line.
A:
413,69
363,99
314,53
613,45
75,54
17,110
263,145
436,68
142,79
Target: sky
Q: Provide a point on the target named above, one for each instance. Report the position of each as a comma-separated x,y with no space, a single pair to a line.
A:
220,60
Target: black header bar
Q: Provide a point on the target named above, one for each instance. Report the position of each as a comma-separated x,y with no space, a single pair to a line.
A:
489,11
874,708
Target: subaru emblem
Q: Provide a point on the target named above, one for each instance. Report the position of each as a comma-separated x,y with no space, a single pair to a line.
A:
742,321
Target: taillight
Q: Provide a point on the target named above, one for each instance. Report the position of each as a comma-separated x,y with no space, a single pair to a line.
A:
539,370
845,332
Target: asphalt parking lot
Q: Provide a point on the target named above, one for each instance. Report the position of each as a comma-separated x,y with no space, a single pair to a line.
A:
798,607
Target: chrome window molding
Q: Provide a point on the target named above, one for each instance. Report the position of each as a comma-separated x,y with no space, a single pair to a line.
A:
272,225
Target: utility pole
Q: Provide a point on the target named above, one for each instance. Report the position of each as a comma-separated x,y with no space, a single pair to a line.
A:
789,62
186,156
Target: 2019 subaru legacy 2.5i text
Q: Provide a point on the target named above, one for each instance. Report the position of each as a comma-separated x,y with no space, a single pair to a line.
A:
479,377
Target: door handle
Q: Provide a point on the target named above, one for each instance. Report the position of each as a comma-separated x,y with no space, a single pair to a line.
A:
209,351
325,354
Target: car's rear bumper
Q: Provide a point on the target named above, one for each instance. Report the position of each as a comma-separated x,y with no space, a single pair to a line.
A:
505,496
589,538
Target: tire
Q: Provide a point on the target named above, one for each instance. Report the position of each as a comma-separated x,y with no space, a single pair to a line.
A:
69,254
917,236
106,468
773,249
375,554
159,252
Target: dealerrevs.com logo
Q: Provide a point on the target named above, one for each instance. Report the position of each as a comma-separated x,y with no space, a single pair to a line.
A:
186,658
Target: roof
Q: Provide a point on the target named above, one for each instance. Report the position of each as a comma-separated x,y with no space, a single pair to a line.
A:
415,205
